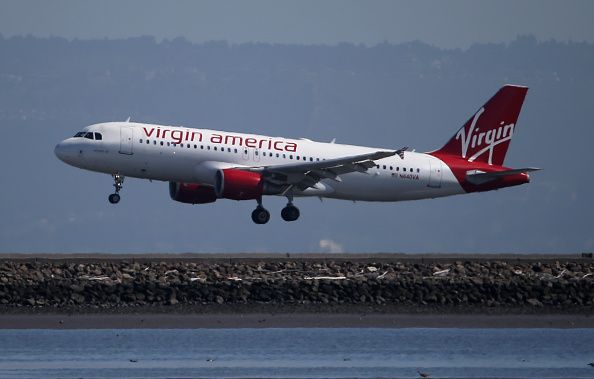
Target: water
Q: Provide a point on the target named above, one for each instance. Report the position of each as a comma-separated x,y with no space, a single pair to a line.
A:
297,353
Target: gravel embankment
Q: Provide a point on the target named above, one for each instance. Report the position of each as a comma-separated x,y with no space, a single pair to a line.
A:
551,284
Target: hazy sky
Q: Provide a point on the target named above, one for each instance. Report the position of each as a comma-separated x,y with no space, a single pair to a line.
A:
442,23
389,96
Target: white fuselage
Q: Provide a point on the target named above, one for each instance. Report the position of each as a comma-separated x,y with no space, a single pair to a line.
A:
180,154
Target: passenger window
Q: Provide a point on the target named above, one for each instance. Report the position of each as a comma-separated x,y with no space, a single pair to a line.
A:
297,157
207,147
140,140
215,148
202,147
318,159
277,155
195,146
310,159
168,143
418,170
411,170
188,146
154,142
89,135
391,168
98,136
290,157
235,150
284,156
256,152
147,142
384,167
161,143
228,149
397,168
304,158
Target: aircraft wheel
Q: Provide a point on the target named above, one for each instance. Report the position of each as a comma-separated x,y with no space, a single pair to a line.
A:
260,216
114,198
290,213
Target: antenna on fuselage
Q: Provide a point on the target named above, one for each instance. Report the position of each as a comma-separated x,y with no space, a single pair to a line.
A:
128,119
333,140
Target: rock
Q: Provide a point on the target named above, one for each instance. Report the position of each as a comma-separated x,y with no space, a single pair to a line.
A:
78,298
77,288
114,284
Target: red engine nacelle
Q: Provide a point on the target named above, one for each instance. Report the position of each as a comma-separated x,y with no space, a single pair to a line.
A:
239,185
192,193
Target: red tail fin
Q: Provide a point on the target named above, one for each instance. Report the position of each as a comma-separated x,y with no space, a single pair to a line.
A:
485,137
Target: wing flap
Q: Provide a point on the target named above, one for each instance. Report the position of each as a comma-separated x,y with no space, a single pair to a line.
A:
329,163
304,175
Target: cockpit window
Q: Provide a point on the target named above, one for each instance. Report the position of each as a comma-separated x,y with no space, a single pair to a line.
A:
89,135
98,136
79,134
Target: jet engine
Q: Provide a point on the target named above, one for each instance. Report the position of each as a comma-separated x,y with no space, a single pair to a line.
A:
191,193
243,185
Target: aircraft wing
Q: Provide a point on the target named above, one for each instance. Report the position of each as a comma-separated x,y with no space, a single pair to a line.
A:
303,175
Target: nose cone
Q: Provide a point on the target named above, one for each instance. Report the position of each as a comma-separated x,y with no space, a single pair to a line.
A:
66,152
59,151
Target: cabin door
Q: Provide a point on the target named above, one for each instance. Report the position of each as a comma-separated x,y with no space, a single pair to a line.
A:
435,173
126,138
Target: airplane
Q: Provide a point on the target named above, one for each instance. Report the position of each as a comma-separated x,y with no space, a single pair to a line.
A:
203,166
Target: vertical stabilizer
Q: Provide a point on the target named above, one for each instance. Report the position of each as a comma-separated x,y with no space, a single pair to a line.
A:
485,137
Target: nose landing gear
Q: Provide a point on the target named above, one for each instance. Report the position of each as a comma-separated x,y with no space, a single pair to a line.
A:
118,179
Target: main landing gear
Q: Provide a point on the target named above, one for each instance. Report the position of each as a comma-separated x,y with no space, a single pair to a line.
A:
118,179
261,216
290,212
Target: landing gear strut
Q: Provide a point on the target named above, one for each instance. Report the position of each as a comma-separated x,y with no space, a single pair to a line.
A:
260,215
118,179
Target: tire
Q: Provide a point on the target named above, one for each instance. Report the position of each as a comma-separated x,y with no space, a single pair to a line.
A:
114,198
290,213
260,216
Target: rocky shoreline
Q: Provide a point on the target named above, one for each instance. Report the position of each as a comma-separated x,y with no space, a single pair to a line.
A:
386,283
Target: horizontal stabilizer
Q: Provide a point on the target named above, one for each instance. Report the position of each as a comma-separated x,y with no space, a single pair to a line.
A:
480,177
